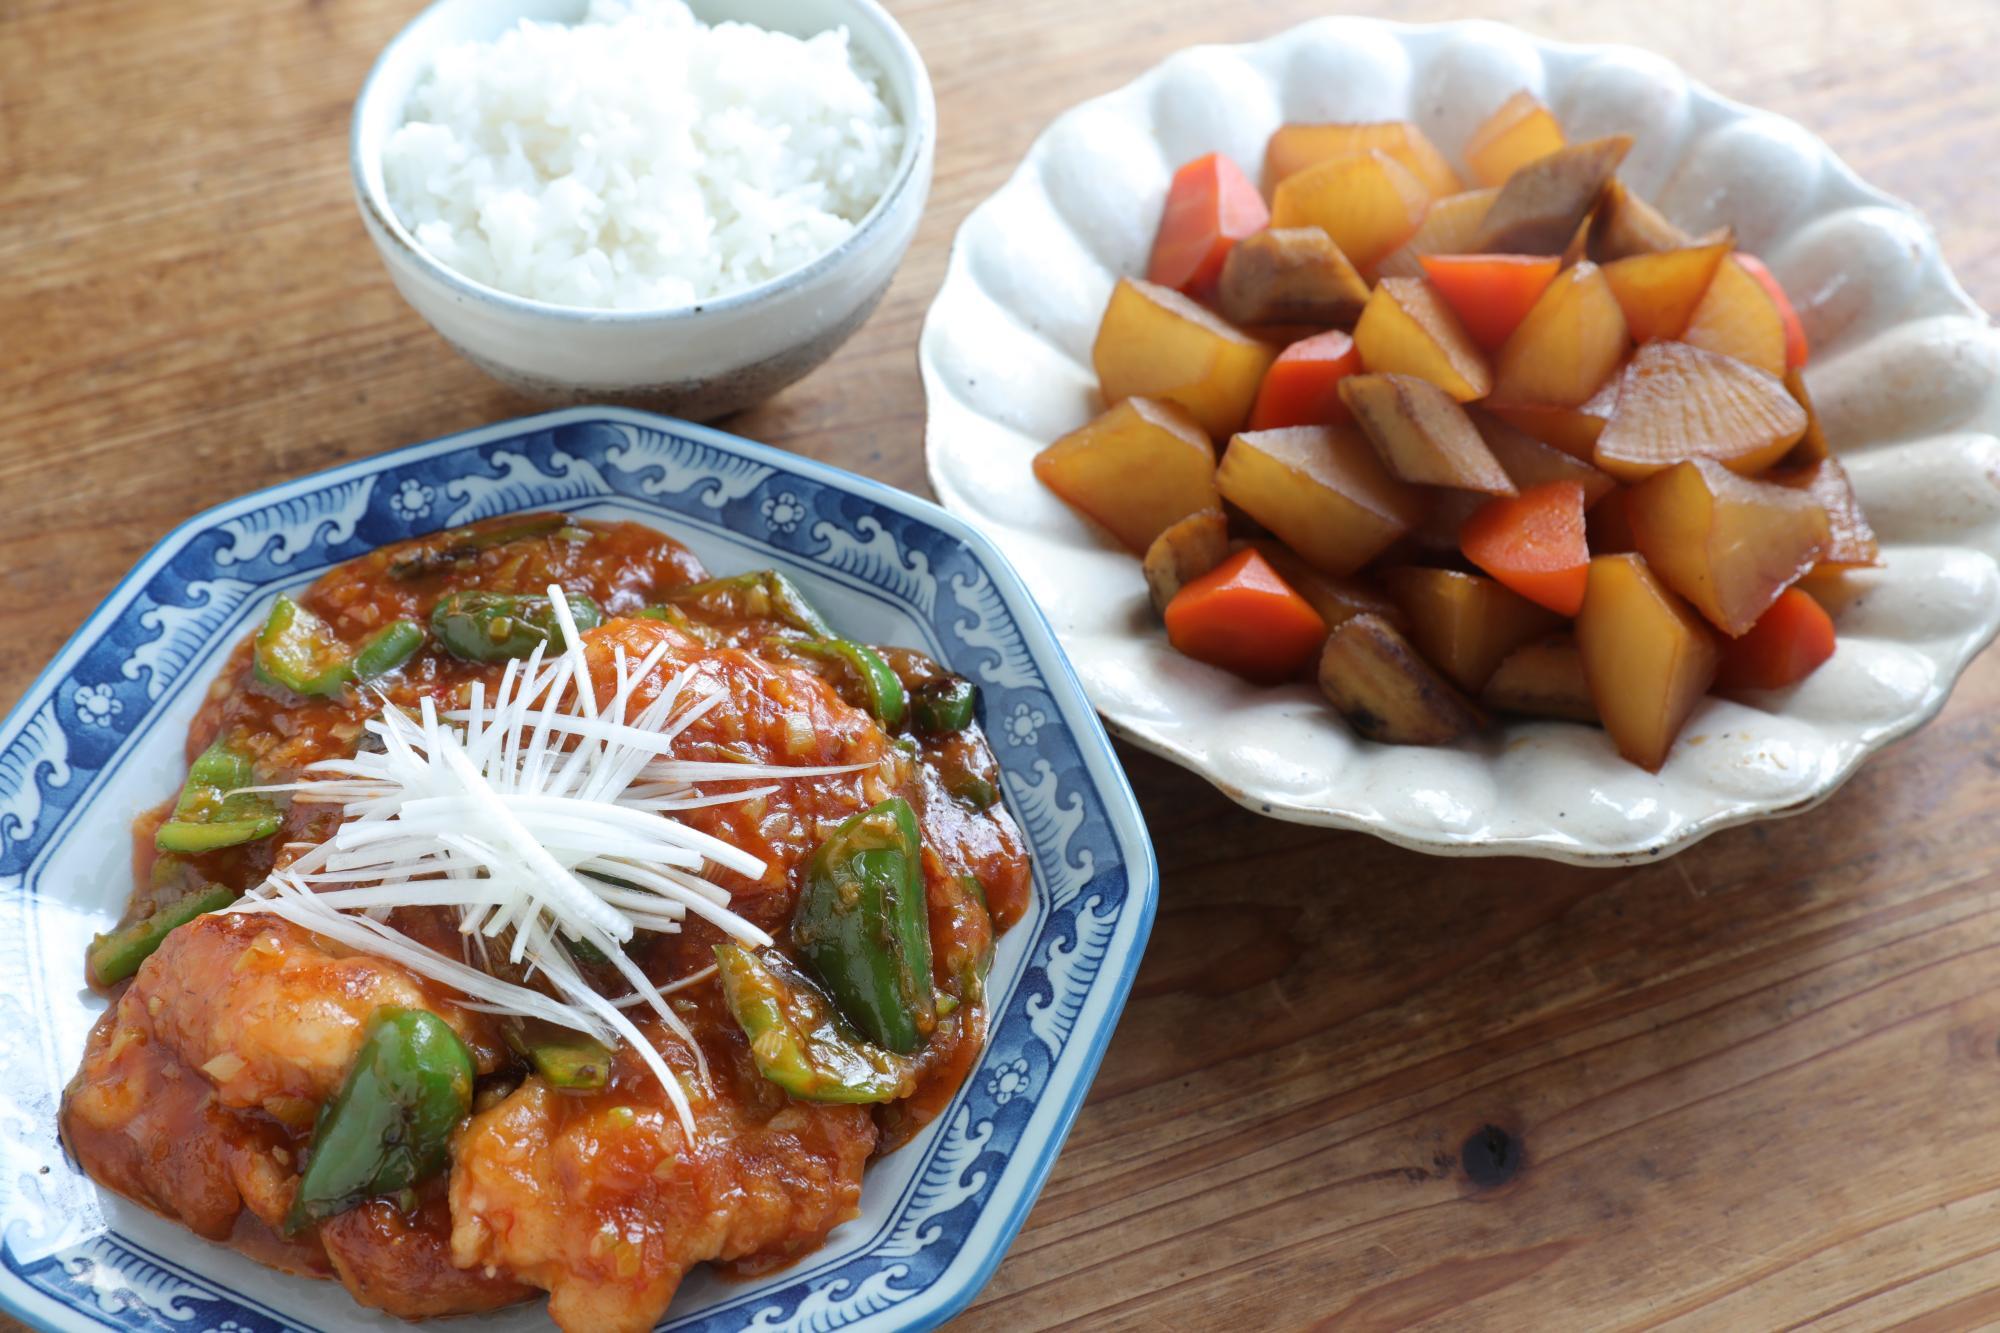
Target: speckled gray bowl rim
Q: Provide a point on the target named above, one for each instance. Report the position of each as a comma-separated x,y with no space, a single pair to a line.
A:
375,208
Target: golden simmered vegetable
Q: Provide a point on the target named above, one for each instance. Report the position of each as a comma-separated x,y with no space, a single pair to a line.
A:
1647,656
1387,691
1320,490
1290,275
1726,543
1421,433
1530,443
1156,343
1677,402
1139,468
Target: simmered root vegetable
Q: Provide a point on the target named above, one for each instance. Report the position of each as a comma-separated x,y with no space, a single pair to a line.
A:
1726,543
1542,679
1302,387
1211,205
1545,203
1530,443
1677,402
1369,203
1408,327
1465,623
1421,433
1737,318
1659,292
1647,656
1290,275
1387,691
1520,132
1137,469
1242,617
1787,644
1293,148
1158,343
1183,552
1567,346
1321,491
1451,227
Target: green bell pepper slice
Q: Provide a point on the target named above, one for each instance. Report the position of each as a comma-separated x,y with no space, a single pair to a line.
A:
943,705
479,626
862,926
389,1127
763,594
298,650
115,956
387,649
798,1039
210,813
447,550
572,1061
877,688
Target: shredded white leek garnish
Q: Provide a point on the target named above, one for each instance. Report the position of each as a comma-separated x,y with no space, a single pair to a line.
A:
538,814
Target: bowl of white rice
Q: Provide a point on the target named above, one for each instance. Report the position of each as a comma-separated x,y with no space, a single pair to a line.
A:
682,205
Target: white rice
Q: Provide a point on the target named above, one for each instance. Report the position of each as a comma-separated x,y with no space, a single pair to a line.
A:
639,158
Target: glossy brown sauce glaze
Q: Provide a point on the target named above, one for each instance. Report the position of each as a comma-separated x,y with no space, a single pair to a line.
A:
199,1087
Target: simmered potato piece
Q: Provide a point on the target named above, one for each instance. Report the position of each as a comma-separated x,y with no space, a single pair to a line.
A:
1543,203
1542,679
1451,227
1369,203
1737,317
1321,491
1336,599
1647,655
1520,132
1727,544
1290,275
1183,552
1567,347
1659,292
1626,225
1293,148
1529,462
1812,445
1465,623
1137,469
1677,402
1386,691
1156,343
1408,328
1850,539
1421,433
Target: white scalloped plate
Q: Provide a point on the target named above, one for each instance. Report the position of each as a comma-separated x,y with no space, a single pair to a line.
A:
1904,372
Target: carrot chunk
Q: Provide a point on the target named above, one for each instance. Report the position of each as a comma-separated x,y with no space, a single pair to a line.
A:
1302,387
1210,207
1534,544
1491,294
1786,645
1796,350
1243,617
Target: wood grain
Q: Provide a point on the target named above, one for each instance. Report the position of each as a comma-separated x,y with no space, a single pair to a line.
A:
1356,1088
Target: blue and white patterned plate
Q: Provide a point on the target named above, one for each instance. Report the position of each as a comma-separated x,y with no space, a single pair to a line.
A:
98,738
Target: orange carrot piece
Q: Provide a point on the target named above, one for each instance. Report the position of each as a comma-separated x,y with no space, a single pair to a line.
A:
1796,350
1210,207
1243,617
1491,294
1302,387
1786,645
1533,543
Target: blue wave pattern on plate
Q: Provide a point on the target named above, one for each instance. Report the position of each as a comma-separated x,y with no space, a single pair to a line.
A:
137,653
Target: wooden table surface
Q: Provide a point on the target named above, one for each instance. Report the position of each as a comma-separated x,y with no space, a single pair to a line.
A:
1750,1086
